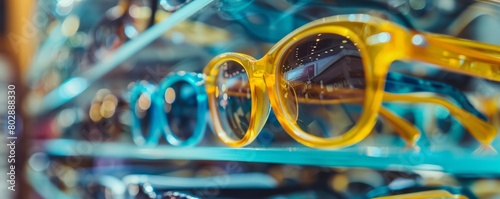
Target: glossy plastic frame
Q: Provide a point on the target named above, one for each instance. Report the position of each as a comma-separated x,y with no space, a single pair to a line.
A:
196,80
157,126
450,53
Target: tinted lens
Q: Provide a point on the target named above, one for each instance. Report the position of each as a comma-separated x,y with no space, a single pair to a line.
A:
181,108
143,109
233,99
322,84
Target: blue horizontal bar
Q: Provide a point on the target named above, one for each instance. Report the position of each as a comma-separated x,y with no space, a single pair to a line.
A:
456,161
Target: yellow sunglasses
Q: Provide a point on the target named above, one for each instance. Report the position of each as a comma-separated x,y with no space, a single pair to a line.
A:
326,82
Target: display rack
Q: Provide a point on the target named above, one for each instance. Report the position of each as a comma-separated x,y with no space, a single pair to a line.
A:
456,161
76,85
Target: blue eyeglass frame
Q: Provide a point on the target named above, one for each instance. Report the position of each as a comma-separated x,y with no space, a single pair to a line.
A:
160,125
137,134
195,80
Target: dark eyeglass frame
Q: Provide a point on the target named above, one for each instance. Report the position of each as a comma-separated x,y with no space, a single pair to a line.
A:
120,24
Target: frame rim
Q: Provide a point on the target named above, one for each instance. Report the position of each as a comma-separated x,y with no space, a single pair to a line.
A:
137,133
364,125
195,81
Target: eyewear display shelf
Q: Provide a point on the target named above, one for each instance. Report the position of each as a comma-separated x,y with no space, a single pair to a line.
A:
454,160
458,161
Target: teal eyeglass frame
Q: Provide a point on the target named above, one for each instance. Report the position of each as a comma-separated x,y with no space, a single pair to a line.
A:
160,126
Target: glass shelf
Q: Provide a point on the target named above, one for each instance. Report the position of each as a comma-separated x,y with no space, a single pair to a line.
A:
76,85
456,161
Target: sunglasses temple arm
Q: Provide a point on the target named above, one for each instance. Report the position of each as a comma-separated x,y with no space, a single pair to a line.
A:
481,130
462,56
403,128
401,83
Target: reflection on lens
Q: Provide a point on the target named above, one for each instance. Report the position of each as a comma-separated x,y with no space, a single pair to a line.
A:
143,112
233,99
322,84
181,108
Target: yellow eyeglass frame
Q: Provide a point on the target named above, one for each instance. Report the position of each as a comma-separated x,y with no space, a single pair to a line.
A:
380,43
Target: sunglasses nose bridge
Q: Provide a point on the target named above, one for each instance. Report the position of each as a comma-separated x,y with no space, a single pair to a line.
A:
258,67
